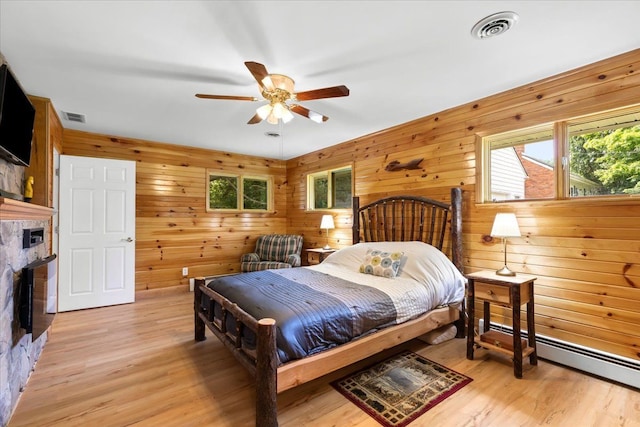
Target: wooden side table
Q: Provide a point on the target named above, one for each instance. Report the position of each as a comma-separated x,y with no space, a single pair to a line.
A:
507,291
317,255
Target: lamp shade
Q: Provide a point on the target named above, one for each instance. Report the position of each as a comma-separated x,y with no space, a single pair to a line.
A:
505,225
327,222
264,111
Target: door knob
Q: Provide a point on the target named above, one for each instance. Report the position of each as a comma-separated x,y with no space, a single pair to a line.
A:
128,239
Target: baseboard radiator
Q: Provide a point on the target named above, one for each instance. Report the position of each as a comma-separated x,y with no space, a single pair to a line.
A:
602,364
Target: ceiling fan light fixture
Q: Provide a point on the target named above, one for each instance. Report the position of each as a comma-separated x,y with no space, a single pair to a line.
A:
281,111
264,111
272,119
287,116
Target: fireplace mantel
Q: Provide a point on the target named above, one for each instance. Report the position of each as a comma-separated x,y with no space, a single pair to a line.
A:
15,210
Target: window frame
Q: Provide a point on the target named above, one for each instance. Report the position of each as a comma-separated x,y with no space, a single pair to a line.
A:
240,192
330,193
561,147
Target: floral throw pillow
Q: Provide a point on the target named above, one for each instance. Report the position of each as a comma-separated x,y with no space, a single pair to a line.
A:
381,263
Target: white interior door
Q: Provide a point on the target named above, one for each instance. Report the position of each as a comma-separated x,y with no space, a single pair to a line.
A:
97,231
52,288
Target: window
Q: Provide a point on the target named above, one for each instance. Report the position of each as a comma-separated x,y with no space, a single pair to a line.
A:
602,158
605,154
521,165
331,189
237,192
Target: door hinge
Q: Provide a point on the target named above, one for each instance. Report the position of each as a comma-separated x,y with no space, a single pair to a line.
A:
57,172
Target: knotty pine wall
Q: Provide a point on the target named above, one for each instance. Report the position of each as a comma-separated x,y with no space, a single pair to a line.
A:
173,229
586,253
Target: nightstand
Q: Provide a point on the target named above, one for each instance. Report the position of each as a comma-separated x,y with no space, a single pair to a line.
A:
507,291
316,256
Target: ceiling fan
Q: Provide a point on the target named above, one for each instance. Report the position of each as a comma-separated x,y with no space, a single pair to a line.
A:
278,90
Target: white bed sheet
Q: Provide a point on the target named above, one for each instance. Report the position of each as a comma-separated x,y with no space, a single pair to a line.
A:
427,278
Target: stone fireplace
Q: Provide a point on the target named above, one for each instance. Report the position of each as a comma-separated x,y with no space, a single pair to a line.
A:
18,354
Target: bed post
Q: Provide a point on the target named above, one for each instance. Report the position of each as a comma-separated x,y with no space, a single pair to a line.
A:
266,374
456,250
198,323
355,205
456,228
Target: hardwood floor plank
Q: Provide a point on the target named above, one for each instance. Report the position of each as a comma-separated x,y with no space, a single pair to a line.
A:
138,365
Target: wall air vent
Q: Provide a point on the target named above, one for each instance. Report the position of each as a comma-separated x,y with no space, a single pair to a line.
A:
494,25
74,117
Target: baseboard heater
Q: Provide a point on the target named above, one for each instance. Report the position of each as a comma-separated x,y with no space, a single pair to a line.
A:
599,363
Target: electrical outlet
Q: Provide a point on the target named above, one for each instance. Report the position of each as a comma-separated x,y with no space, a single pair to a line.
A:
185,271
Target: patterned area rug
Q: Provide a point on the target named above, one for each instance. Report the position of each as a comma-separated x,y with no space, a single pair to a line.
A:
398,390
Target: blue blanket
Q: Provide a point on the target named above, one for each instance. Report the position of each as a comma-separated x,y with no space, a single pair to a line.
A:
314,311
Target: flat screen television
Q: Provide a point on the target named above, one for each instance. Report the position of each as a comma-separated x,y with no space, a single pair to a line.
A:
16,120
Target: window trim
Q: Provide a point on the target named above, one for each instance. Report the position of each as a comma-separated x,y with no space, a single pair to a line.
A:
240,192
310,205
561,141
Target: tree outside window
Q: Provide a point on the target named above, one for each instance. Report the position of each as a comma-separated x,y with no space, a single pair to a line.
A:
255,192
609,158
223,192
330,189
232,192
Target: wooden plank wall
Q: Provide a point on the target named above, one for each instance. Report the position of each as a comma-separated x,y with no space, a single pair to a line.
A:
586,253
173,229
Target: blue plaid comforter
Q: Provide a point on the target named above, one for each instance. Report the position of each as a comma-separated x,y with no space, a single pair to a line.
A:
314,311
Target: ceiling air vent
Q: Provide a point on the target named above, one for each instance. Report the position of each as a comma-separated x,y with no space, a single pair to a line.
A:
74,117
494,25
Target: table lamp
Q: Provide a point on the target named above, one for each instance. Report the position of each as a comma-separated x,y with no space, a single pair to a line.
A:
505,225
327,223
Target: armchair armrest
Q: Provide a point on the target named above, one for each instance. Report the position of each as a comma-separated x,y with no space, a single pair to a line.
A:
294,260
250,257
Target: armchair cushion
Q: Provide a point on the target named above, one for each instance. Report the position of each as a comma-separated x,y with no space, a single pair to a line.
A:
250,257
273,251
294,259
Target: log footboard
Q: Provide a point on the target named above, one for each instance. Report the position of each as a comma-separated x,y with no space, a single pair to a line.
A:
261,362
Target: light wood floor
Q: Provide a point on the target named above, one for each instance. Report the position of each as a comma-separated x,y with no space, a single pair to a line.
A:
138,365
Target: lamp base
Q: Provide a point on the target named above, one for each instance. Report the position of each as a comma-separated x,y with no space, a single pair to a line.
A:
504,271
326,247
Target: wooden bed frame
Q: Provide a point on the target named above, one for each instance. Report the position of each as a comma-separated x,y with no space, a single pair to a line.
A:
402,218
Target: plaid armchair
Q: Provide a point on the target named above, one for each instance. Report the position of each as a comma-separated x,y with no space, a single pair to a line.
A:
273,251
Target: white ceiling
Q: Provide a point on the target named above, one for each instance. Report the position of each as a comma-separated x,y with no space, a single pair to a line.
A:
133,67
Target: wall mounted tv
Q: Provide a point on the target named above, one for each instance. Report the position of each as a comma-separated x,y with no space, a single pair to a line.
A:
16,120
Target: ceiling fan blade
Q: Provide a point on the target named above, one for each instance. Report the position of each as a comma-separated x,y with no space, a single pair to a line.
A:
327,92
255,119
228,97
258,71
316,117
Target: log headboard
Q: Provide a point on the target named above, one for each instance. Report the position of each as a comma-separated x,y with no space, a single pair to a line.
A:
411,218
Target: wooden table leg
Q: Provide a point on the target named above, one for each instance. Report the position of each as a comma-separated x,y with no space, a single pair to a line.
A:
517,343
470,316
486,316
531,328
